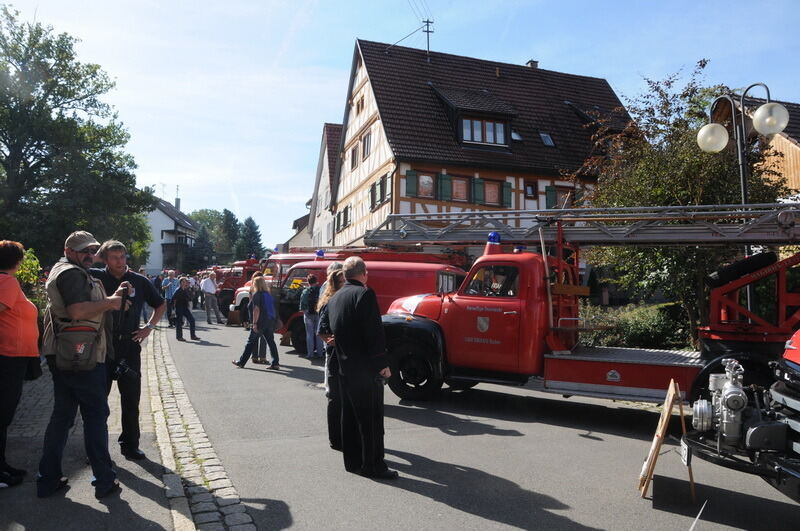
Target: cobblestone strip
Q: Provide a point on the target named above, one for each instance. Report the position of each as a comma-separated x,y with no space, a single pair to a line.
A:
197,485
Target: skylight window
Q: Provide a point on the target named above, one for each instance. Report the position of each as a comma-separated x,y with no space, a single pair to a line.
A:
515,135
547,139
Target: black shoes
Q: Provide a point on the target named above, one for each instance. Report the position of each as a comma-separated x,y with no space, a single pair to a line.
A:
133,455
7,479
43,490
195,338
180,339
102,492
237,364
383,474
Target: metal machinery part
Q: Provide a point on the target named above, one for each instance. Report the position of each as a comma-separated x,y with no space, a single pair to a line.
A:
725,410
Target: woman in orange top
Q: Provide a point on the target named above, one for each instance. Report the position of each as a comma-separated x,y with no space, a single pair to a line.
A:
19,335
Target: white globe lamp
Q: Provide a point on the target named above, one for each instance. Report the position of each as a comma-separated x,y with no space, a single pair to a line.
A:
770,118
712,138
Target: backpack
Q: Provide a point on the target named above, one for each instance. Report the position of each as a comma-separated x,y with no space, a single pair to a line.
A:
313,299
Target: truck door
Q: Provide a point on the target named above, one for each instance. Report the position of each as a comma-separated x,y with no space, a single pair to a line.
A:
482,320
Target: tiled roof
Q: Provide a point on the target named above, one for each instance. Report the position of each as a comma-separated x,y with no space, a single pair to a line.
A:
176,215
418,122
793,128
333,137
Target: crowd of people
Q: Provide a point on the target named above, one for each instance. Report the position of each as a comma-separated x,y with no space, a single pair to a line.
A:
97,318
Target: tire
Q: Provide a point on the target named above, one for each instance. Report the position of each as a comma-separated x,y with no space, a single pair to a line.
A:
225,300
298,333
244,314
413,375
457,385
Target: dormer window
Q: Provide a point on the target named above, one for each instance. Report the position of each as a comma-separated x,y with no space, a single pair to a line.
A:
481,131
547,139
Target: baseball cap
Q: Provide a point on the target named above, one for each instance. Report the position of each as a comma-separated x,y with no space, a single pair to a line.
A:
80,240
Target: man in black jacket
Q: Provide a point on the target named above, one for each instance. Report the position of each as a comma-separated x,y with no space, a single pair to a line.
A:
355,320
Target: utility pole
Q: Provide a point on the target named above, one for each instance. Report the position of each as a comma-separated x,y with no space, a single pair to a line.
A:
428,31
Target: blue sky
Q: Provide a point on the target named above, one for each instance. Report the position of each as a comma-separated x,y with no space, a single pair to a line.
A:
227,99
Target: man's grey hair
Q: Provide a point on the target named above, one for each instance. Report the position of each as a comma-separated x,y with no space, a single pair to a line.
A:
111,245
335,266
354,267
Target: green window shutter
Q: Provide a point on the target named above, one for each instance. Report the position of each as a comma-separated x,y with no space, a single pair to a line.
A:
477,190
445,187
551,196
507,195
411,183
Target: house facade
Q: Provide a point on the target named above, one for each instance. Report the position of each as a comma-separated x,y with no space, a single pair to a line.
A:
787,144
320,223
442,133
173,233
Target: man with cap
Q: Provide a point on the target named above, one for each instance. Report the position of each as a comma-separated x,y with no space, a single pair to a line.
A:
77,301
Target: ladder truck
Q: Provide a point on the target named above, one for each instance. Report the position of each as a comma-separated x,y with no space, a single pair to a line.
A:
514,320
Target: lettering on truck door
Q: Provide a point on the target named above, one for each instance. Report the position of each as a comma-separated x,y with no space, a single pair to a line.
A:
482,329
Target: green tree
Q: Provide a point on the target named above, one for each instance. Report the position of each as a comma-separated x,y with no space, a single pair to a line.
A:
62,161
212,220
230,230
249,243
654,161
200,254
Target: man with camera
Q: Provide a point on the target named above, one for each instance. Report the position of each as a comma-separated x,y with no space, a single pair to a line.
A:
127,336
75,344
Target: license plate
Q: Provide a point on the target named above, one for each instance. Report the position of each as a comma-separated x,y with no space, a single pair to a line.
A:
686,453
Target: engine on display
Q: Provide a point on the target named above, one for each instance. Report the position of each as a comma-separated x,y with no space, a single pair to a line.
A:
737,417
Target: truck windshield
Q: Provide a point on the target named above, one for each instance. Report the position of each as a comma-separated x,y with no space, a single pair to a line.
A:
494,281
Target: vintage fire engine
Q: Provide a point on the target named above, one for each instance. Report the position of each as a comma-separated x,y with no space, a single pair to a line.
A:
514,320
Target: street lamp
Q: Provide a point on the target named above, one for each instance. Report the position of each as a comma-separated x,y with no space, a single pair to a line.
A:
769,119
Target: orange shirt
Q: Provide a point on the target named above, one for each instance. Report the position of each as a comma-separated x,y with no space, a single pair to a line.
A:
19,331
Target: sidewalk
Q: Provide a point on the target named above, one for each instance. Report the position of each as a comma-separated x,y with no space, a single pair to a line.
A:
142,503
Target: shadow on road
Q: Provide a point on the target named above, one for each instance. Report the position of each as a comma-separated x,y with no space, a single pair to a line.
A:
724,507
269,514
591,419
476,492
449,424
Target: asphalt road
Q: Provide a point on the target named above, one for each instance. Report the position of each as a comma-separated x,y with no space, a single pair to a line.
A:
493,457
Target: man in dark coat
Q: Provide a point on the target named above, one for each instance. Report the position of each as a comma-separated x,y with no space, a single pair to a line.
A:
355,320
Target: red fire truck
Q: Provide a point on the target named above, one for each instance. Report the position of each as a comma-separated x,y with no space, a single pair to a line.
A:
514,320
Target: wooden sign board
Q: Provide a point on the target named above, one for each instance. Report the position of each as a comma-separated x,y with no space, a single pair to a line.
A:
646,475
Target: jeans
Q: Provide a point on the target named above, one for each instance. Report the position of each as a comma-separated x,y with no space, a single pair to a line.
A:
71,390
314,347
181,314
252,341
170,312
130,390
12,374
211,304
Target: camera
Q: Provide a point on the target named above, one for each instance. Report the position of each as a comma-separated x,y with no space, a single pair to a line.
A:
123,369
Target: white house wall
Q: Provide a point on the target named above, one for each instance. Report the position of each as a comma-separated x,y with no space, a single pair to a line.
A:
354,184
158,222
322,228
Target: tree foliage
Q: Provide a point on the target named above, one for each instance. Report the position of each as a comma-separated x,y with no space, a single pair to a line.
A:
212,220
654,160
249,243
62,161
199,256
230,230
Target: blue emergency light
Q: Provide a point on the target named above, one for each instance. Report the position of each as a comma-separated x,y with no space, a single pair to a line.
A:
494,237
320,253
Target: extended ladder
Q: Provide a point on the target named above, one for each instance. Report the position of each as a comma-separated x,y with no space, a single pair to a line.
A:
769,223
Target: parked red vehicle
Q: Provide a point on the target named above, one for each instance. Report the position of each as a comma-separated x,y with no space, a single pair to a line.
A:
389,279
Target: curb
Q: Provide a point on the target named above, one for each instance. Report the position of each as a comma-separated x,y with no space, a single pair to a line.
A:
200,494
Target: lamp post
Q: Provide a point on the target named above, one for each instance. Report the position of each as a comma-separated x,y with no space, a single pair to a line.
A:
769,119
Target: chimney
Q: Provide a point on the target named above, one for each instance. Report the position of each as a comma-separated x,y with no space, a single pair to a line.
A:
532,63
177,203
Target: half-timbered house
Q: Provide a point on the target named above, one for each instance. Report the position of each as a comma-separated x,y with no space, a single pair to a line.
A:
438,132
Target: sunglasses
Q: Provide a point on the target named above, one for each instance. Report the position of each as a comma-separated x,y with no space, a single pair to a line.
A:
88,251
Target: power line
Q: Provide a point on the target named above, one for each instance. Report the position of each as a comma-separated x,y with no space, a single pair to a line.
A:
414,10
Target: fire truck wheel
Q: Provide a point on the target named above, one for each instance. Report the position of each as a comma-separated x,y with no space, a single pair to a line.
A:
224,301
298,333
413,375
